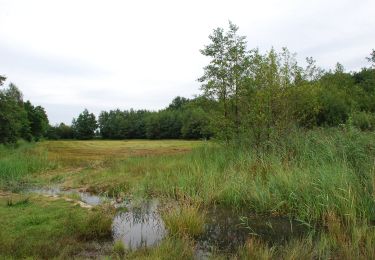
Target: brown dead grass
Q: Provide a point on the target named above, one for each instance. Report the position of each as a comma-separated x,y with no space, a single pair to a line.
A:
75,153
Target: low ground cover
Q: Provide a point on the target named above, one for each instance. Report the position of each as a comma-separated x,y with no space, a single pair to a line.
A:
40,227
325,179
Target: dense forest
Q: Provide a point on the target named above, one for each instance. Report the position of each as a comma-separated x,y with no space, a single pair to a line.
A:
246,95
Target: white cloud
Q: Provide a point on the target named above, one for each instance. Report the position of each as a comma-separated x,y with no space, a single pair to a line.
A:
67,55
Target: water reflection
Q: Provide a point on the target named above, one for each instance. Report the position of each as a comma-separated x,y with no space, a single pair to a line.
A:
141,226
88,198
227,229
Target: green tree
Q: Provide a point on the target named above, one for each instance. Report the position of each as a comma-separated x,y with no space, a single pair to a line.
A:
178,103
165,124
195,124
61,131
2,79
85,125
14,123
224,77
38,120
371,58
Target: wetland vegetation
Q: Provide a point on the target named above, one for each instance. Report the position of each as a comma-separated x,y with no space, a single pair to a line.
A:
278,161
324,191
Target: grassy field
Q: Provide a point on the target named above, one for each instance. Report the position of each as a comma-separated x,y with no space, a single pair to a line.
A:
40,227
88,152
323,178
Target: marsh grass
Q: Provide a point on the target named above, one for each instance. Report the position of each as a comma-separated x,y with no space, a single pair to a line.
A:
17,165
338,244
73,196
305,176
11,203
119,249
184,219
171,248
45,228
322,177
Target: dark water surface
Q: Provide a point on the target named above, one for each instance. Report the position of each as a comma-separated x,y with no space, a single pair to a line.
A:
141,225
227,229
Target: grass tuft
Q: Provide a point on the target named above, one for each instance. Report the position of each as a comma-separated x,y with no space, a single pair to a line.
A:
119,249
184,220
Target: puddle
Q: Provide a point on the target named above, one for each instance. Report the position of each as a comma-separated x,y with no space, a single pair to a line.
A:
141,225
86,197
227,229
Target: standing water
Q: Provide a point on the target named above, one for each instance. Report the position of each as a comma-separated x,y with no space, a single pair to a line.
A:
141,225
227,229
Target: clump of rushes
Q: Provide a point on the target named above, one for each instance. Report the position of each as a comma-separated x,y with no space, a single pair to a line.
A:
99,223
169,249
119,249
185,219
256,249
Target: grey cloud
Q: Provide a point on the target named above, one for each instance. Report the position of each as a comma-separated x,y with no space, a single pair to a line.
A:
25,61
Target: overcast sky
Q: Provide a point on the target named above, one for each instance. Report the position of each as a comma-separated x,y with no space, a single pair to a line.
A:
70,54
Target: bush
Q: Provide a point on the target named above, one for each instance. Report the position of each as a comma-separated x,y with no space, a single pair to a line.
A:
363,120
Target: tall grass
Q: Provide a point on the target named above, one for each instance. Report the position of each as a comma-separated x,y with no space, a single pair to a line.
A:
323,177
17,164
184,220
304,175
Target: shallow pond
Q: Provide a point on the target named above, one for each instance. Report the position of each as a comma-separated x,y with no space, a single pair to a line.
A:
227,229
136,225
141,225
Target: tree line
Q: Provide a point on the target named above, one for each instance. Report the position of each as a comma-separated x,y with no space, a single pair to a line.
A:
20,119
182,119
246,94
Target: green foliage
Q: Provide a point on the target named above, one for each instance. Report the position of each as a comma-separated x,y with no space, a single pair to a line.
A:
17,165
164,124
371,58
178,103
224,77
195,124
43,228
38,120
85,125
171,248
2,79
261,96
363,120
119,249
304,174
117,124
184,220
13,117
19,119
183,118
61,131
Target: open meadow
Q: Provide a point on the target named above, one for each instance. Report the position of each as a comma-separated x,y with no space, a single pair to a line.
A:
310,196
